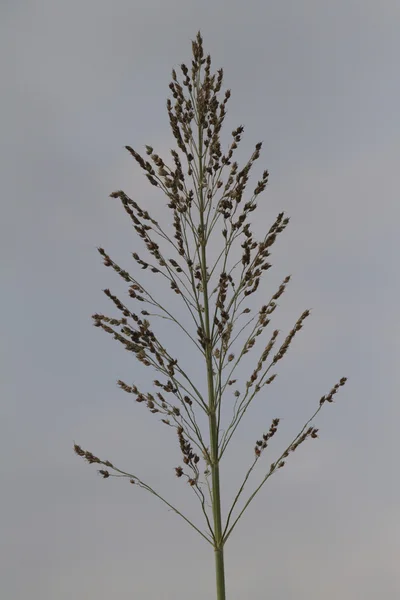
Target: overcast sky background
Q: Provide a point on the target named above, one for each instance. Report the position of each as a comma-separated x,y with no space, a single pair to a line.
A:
318,82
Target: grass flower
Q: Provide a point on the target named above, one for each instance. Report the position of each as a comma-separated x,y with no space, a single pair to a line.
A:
208,197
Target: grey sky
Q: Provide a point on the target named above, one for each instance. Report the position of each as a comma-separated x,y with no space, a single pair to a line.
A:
318,83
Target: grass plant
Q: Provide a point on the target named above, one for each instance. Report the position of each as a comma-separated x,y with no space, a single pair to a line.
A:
207,194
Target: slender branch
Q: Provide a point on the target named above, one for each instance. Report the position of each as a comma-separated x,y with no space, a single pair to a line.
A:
275,465
93,459
238,495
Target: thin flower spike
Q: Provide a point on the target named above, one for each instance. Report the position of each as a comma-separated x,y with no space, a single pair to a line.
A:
211,203
299,439
133,479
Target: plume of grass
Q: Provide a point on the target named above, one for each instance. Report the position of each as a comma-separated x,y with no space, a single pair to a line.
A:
207,194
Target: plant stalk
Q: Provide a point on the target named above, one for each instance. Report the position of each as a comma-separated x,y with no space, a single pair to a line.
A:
216,504
213,422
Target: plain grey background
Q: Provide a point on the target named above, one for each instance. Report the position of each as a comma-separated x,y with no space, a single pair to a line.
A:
318,82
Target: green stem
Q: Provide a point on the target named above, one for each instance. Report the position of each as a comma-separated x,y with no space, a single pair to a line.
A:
213,423
216,504
220,573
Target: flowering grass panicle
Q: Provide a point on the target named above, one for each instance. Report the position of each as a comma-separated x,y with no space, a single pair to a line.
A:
207,194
